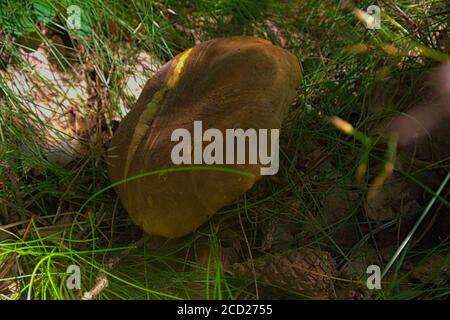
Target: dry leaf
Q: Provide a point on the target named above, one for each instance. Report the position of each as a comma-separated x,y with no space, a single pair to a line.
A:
398,197
434,270
8,288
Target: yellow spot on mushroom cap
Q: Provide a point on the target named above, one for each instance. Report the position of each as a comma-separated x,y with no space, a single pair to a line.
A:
143,126
175,76
152,108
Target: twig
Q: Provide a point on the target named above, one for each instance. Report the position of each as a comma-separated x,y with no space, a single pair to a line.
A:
101,282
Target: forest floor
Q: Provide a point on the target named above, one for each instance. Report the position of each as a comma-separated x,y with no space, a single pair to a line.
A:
311,231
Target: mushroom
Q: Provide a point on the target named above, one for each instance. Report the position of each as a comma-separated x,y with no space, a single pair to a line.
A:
227,83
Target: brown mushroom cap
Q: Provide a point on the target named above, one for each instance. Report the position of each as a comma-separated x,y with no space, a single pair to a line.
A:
238,82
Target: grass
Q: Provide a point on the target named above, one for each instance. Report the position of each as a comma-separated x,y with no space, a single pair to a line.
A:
47,222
